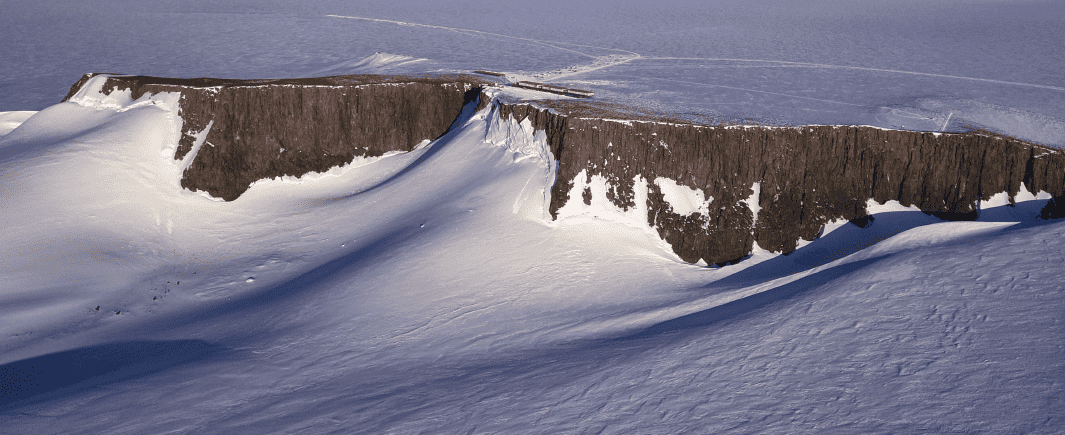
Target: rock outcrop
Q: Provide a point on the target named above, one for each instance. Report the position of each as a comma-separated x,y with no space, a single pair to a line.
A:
259,129
767,185
805,176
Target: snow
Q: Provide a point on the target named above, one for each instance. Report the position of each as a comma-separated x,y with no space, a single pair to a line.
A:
93,94
891,64
199,137
376,63
430,292
600,211
684,200
519,137
753,202
11,120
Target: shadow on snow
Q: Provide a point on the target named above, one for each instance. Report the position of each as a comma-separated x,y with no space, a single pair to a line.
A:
65,373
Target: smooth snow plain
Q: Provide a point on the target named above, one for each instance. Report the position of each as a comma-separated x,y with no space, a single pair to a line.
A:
427,292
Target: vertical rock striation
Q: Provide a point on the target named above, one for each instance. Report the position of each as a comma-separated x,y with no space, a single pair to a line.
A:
258,129
806,176
767,185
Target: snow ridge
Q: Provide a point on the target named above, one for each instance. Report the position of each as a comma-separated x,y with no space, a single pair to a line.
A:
519,137
92,94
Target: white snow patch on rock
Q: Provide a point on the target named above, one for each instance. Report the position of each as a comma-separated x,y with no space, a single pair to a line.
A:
752,202
603,216
1027,195
873,207
684,200
601,207
998,199
200,138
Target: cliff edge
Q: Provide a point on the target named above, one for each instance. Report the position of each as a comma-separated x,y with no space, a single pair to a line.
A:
247,130
710,191
776,185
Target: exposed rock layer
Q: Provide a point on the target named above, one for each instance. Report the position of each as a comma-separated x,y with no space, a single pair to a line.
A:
262,129
808,176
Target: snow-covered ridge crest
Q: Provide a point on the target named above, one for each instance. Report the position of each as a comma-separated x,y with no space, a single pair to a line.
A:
519,137
525,143
93,94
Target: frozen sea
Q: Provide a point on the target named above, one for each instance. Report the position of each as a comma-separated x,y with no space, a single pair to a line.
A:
443,301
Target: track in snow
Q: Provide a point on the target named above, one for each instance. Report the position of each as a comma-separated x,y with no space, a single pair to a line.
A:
609,61
626,57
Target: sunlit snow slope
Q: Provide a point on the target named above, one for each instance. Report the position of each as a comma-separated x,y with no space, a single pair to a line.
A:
428,292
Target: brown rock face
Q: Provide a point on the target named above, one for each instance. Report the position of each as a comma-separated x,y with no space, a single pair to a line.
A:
262,129
808,176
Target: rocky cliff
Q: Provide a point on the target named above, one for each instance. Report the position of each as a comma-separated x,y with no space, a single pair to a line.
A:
767,185
258,129
796,179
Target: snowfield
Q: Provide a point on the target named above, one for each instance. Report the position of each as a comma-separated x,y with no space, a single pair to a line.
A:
430,292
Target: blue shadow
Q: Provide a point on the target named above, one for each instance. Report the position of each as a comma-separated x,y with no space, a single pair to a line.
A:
751,303
65,373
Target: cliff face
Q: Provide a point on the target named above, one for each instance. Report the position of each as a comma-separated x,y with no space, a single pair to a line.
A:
806,176
258,129
770,185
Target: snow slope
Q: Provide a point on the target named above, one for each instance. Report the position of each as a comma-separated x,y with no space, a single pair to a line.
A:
425,292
